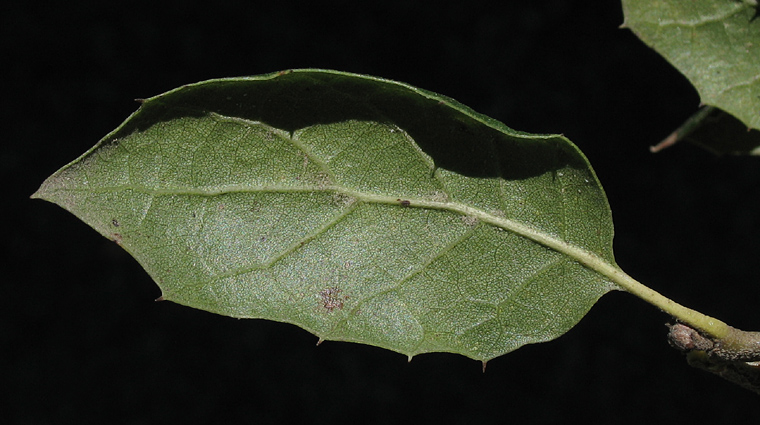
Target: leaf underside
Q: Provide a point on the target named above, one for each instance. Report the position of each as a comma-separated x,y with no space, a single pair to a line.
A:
714,43
358,208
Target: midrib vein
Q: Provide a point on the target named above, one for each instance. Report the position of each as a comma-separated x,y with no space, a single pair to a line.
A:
581,255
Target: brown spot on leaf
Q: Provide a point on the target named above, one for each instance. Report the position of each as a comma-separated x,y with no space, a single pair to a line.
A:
332,298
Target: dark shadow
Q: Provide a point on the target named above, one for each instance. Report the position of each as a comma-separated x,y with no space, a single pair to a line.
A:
443,128
723,134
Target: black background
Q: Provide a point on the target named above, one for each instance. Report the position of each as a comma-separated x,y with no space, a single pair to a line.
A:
85,343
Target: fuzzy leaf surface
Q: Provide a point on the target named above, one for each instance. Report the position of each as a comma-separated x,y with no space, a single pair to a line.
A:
714,43
357,208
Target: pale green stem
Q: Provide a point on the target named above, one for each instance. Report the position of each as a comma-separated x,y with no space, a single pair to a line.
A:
706,324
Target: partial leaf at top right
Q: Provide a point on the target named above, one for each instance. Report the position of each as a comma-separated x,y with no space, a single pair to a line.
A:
714,43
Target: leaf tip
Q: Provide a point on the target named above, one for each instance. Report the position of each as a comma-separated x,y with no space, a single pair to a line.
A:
42,192
161,298
320,341
485,362
409,358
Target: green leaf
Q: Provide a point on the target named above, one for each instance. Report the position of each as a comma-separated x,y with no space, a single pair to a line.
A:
714,43
358,208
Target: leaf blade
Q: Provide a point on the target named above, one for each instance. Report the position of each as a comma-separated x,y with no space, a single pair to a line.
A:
714,43
356,229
